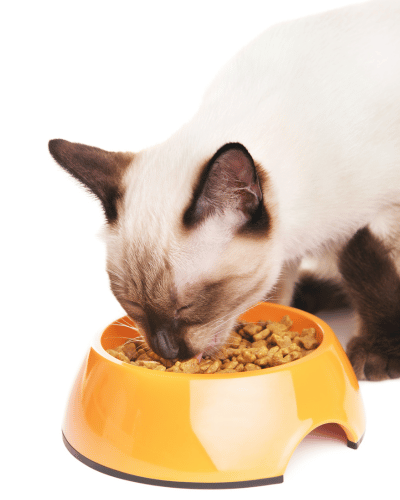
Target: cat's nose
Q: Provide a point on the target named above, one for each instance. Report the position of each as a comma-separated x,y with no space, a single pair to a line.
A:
164,344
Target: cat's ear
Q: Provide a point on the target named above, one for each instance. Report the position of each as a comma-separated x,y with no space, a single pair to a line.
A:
100,171
229,182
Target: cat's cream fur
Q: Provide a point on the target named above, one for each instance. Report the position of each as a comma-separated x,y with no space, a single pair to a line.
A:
316,103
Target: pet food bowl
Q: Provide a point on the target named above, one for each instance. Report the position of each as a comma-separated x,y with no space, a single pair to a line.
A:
209,431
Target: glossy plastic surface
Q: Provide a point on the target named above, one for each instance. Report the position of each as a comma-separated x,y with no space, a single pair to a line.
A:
210,428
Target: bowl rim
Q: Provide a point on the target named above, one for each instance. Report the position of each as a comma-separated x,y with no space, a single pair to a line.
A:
327,337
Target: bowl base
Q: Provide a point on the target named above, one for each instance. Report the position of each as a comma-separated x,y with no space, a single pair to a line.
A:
170,484
353,445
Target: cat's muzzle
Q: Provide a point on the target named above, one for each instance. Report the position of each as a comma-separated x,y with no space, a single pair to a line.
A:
165,345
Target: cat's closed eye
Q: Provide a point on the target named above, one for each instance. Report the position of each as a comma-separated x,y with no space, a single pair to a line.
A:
183,308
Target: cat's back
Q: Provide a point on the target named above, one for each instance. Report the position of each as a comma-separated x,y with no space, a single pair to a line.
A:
316,56
322,90
316,101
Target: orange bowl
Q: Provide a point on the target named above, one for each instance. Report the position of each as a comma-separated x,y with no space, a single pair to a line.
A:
209,431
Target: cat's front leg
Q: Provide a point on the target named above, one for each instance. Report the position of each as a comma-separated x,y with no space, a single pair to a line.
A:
373,285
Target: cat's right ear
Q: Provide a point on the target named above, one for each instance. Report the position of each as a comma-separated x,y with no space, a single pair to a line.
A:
98,170
230,182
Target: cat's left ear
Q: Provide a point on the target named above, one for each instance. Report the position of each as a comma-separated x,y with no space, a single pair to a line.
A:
100,171
229,182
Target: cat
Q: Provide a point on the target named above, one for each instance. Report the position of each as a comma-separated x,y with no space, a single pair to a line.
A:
293,156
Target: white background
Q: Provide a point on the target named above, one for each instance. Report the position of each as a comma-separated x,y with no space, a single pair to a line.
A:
120,76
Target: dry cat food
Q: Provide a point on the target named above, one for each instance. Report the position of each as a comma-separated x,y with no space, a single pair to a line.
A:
251,346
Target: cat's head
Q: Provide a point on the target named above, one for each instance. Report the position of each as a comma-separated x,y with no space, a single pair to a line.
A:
190,245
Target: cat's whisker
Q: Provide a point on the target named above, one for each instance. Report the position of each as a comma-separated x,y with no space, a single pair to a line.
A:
126,319
119,337
126,326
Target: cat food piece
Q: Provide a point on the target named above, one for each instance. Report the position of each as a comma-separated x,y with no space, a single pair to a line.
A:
261,352
260,343
214,367
175,369
287,321
233,352
252,329
273,350
281,341
309,342
190,366
277,358
119,355
234,340
251,346
277,328
246,357
147,364
292,356
250,366
291,348
205,364
265,361
263,334
222,354
129,349
230,365
227,370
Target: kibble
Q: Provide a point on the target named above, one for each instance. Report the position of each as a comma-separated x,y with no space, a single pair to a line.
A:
251,346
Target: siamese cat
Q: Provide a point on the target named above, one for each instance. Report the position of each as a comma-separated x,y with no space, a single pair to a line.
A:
293,158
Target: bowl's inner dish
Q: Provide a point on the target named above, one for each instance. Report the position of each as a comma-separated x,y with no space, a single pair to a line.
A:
251,346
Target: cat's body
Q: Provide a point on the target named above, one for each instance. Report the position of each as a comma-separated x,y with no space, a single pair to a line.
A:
294,152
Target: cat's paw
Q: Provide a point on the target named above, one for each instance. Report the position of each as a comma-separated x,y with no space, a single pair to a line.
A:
369,364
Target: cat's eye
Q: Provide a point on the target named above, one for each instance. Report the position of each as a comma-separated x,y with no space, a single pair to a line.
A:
184,308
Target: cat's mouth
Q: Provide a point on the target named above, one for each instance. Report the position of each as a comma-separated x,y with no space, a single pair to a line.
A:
210,347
